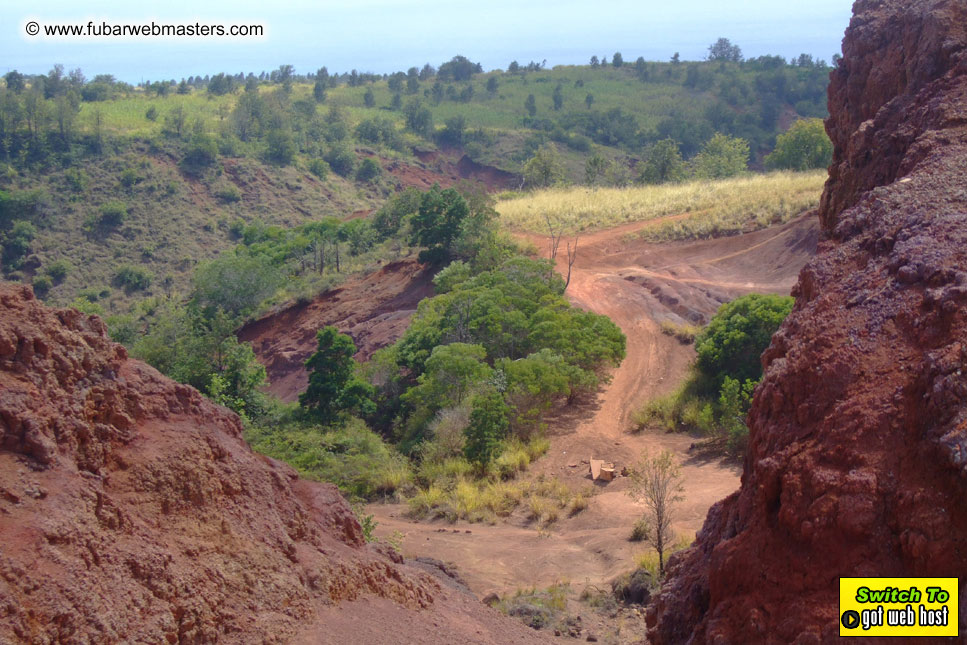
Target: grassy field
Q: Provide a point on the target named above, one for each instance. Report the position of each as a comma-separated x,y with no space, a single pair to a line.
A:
696,209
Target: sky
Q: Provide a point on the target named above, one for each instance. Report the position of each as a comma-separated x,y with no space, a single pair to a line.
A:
384,36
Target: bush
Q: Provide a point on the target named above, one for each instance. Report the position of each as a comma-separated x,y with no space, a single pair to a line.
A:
341,159
236,283
202,152
112,214
17,241
58,270
123,328
129,177
132,278
228,193
42,285
738,334
319,168
76,180
369,170
151,114
639,532
723,156
685,334
280,147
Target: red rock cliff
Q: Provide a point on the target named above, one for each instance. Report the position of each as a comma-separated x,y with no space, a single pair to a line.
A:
131,510
857,464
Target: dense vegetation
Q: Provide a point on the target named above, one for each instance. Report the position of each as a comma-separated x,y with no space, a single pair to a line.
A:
715,397
449,413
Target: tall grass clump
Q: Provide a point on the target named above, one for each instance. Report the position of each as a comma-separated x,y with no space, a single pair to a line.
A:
690,210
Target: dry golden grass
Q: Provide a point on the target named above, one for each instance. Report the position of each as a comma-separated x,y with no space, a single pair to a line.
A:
695,209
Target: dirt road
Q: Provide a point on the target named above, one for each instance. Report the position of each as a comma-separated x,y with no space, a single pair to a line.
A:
638,285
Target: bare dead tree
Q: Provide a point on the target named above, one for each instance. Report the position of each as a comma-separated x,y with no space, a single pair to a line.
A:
657,481
572,256
556,235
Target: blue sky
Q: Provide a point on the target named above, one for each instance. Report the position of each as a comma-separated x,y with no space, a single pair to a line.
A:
389,35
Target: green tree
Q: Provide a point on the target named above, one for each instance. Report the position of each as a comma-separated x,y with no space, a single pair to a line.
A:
419,119
723,156
334,388
492,85
487,427
589,100
280,147
453,131
617,60
458,68
319,90
235,282
545,168
530,104
733,341
594,167
724,50
663,164
16,242
438,222
558,97
369,99
804,146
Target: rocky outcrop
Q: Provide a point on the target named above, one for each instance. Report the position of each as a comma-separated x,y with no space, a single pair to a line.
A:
131,510
857,463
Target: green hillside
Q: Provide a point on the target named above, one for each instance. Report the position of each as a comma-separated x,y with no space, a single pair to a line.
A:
116,192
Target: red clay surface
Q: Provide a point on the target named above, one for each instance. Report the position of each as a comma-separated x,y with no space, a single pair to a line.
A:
373,309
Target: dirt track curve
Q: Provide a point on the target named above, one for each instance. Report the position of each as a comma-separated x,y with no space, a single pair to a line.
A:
638,285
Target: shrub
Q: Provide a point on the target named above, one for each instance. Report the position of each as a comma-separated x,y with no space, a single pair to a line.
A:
58,270
228,193
685,334
319,168
738,334
123,328
16,242
235,283
42,285
280,147
341,159
723,156
202,152
132,278
76,180
369,170
129,177
112,214
639,532
151,114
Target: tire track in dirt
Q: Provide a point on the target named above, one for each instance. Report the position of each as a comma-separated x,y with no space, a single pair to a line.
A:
638,285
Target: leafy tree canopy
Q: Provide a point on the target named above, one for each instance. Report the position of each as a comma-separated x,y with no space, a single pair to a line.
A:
334,389
805,145
737,335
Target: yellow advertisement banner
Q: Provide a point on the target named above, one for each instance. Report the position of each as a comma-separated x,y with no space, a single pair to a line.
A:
898,606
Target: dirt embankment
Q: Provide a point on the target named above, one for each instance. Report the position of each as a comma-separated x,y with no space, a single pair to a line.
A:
858,451
448,168
374,309
131,510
